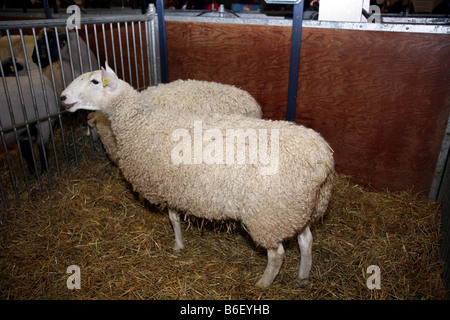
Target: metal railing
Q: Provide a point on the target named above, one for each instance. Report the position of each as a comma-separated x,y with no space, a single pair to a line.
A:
44,56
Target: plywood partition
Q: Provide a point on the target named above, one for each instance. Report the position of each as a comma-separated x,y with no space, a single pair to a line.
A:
381,99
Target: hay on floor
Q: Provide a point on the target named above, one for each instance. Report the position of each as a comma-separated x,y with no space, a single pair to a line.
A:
123,247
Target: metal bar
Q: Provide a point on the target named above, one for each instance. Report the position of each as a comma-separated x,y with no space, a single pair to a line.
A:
151,47
142,55
162,41
135,55
104,43
112,45
80,56
96,43
154,59
294,61
440,165
5,202
88,47
120,49
60,58
48,14
148,36
128,54
69,47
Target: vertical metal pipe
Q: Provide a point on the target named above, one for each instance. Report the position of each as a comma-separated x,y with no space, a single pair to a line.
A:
135,54
113,46
96,44
88,48
294,61
143,6
142,54
151,45
104,44
128,54
80,54
48,14
162,41
5,202
69,48
60,58
120,50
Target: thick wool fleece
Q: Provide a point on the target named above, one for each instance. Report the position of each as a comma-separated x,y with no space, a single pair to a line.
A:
184,95
101,127
203,96
271,207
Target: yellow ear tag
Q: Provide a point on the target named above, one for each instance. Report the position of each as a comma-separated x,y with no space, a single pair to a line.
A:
12,68
105,81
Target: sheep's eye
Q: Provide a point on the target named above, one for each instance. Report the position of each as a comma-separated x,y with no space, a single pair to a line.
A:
95,81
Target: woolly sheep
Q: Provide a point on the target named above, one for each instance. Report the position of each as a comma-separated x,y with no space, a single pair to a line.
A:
272,206
16,106
184,95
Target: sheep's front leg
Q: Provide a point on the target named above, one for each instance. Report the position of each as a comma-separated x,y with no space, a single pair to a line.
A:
305,241
275,260
175,220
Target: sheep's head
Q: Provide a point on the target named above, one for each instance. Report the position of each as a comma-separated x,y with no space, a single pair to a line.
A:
91,90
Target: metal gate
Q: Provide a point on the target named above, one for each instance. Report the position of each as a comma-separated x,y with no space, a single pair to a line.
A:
38,59
440,191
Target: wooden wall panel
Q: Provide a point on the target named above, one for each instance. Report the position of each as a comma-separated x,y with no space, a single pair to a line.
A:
381,99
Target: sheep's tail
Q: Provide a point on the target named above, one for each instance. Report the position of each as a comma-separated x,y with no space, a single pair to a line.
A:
323,196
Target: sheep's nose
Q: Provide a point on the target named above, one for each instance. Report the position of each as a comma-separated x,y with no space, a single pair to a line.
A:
63,98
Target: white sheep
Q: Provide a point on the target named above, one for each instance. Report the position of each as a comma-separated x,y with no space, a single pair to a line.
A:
46,104
275,197
183,95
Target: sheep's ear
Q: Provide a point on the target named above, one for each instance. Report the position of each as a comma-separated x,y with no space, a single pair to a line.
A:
109,78
108,68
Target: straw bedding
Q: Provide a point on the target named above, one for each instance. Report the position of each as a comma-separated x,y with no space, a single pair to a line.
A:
123,247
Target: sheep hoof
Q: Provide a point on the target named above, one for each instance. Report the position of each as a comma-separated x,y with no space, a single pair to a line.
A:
302,282
177,249
262,283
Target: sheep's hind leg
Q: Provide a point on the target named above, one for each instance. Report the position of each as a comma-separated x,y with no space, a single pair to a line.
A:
275,260
305,241
175,220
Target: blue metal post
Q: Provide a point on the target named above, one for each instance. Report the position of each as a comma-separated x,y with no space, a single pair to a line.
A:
48,14
295,60
162,41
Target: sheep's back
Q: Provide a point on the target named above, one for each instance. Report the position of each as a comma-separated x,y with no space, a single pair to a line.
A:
203,96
